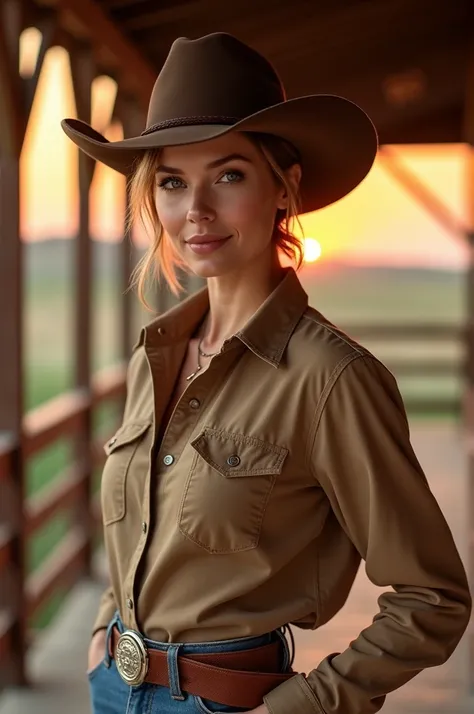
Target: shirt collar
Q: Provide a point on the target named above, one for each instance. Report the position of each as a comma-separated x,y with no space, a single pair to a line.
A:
267,333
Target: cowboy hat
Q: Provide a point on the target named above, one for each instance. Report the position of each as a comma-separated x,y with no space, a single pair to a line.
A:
216,84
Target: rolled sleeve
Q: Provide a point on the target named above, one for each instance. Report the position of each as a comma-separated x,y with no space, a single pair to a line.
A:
362,458
294,695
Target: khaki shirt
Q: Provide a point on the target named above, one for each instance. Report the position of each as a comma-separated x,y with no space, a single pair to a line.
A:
284,463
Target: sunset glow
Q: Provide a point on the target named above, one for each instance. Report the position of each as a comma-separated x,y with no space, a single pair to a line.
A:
312,250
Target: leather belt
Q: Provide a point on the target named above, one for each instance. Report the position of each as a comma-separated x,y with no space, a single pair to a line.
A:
239,679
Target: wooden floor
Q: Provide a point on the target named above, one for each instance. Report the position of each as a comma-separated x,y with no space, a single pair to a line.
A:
58,661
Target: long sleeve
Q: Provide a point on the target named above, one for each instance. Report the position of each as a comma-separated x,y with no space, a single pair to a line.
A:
362,458
107,608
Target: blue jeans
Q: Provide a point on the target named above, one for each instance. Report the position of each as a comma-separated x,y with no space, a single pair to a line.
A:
111,695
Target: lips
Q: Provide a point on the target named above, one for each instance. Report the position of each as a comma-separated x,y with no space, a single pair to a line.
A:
204,244
205,238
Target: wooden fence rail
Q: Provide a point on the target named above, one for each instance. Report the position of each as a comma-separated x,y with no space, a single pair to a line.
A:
67,563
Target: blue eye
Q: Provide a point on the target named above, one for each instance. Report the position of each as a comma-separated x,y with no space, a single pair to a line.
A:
174,183
235,175
171,183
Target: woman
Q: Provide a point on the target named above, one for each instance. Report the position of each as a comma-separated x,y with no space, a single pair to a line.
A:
262,453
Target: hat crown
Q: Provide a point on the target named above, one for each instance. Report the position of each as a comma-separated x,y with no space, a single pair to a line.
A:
215,77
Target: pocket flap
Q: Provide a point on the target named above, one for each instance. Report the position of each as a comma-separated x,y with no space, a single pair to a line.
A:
236,455
126,434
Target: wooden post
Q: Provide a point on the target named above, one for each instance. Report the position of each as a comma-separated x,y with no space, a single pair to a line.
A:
469,136
82,72
12,129
127,262
16,98
133,120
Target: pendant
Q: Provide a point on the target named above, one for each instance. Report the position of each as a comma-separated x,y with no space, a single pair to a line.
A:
193,374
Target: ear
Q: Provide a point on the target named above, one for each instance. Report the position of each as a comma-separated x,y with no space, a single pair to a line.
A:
293,175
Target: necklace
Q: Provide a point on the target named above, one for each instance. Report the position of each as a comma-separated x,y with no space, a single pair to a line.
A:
203,354
199,355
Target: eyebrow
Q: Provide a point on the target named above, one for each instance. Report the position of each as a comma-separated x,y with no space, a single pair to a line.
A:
212,165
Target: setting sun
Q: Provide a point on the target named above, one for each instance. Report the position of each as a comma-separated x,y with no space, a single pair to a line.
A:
312,250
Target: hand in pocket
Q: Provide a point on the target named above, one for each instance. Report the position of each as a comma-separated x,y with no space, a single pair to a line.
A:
96,649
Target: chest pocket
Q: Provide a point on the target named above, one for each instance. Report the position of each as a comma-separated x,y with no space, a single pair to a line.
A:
125,451
228,489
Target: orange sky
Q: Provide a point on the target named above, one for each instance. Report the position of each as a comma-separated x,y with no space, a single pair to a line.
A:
378,222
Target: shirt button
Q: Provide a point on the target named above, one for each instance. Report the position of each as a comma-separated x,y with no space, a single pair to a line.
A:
112,441
194,403
168,460
130,604
144,527
161,331
233,460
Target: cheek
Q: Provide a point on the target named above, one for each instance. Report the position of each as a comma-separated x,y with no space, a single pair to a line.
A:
248,207
171,215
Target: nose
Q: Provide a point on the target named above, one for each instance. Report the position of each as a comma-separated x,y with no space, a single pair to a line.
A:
200,209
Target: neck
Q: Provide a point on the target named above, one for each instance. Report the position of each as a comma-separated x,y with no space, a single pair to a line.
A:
235,297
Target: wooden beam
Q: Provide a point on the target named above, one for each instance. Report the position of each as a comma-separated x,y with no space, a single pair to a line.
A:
84,18
7,644
8,446
109,383
12,117
47,24
421,193
82,73
132,119
12,127
60,416
469,401
189,13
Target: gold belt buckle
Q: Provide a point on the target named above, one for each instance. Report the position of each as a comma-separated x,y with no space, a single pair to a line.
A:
131,657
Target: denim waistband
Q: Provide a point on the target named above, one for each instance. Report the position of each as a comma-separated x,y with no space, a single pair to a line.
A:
174,649
229,645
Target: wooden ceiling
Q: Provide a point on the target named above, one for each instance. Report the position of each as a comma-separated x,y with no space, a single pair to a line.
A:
404,61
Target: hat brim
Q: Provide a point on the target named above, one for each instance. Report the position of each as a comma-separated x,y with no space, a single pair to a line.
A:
335,138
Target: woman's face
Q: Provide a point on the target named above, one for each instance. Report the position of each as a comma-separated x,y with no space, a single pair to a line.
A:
217,202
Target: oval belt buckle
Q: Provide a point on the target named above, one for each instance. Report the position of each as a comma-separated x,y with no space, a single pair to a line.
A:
131,657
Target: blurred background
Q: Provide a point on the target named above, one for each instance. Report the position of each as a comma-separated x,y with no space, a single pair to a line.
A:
391,264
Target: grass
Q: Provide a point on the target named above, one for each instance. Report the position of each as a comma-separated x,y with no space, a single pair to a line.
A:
386,295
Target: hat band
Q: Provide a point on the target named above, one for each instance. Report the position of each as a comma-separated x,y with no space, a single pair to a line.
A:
190,121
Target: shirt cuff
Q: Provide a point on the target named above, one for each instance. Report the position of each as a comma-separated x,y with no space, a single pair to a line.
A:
294,696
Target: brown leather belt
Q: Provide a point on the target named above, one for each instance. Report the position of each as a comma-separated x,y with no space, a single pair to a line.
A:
238,679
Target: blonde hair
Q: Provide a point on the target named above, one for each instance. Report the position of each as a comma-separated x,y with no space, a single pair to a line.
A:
162,259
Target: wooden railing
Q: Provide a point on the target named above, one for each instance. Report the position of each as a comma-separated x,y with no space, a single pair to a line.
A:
438,367
68,415
70,559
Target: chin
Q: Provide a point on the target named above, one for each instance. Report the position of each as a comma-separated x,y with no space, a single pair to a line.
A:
211,269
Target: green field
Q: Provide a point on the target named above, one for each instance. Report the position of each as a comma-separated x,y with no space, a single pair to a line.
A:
346,295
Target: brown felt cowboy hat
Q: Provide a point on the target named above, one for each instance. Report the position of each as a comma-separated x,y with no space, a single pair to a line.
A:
217,84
